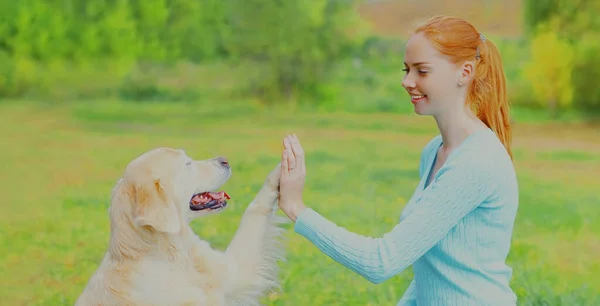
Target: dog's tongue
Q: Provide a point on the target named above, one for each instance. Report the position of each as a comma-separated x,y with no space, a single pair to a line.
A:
205,197
218,195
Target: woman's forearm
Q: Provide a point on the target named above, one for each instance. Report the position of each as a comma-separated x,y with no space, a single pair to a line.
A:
373,258
435,213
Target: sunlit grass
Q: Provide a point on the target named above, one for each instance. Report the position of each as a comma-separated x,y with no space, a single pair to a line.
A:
59,165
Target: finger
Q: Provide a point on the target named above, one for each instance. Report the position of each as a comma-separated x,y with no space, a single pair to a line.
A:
288,149
284,163
291,159
298,152
296,146
283,141
286,143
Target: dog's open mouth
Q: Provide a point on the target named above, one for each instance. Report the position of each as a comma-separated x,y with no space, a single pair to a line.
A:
209,200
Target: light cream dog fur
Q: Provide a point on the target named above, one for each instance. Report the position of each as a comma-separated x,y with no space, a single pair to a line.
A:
154,257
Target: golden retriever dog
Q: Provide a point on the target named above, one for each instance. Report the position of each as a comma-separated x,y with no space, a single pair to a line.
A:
154,257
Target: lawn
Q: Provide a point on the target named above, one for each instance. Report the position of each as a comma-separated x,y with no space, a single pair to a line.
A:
60,163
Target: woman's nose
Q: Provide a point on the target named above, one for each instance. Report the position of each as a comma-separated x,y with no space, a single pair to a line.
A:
408,84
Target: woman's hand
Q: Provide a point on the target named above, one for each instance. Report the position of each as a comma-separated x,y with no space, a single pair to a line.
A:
291,181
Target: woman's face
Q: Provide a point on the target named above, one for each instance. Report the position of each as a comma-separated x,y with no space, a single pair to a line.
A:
431,79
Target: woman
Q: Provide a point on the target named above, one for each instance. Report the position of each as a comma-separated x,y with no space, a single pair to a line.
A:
456,229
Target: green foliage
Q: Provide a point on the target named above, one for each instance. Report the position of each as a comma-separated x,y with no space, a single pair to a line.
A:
292,44
549,70
571,17
575,25
153,30
538,12
586,73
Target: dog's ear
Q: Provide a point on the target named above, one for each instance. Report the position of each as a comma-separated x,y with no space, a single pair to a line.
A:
154,208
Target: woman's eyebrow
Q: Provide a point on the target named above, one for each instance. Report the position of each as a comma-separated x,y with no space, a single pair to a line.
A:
418,63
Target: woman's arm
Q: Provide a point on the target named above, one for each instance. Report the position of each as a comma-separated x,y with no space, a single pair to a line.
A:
456,190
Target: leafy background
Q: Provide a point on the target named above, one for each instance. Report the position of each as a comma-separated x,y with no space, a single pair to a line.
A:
86,86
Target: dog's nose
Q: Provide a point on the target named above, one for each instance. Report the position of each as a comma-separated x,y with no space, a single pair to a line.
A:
223,161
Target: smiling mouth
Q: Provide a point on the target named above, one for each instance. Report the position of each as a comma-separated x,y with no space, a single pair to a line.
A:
417,98
209,200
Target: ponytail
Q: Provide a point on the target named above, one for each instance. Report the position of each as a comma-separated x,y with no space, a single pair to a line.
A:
460,41
488,93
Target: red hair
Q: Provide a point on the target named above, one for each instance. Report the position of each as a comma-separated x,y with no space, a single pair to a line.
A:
460,41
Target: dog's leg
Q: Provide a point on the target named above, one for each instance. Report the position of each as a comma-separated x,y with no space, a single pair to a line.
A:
255,248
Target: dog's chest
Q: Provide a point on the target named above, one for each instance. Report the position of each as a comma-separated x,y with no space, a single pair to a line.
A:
167,284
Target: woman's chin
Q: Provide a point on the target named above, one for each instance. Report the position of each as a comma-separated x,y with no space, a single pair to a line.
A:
421,110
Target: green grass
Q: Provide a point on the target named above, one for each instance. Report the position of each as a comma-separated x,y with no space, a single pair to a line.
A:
60,163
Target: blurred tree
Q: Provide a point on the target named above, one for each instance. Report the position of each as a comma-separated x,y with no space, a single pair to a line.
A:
293,44
574,22
586,73
570,17
549,70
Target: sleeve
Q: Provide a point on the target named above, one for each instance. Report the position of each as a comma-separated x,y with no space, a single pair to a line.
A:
456,190
410,296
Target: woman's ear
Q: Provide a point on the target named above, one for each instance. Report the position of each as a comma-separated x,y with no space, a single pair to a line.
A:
465,73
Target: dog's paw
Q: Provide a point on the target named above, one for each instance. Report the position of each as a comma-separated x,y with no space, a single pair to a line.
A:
272,181
269,193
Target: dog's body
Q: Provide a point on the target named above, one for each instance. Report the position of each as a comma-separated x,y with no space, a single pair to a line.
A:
154,257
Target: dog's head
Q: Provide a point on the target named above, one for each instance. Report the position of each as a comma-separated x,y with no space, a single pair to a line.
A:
165,188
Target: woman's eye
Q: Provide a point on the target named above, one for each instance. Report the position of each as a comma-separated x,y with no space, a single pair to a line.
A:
420,71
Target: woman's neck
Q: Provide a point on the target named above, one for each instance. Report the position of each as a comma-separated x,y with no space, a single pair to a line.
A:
456,127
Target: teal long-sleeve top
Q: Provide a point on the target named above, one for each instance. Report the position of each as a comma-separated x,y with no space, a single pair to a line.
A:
455,231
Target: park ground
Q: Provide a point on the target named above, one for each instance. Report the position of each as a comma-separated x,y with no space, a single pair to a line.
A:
59,164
